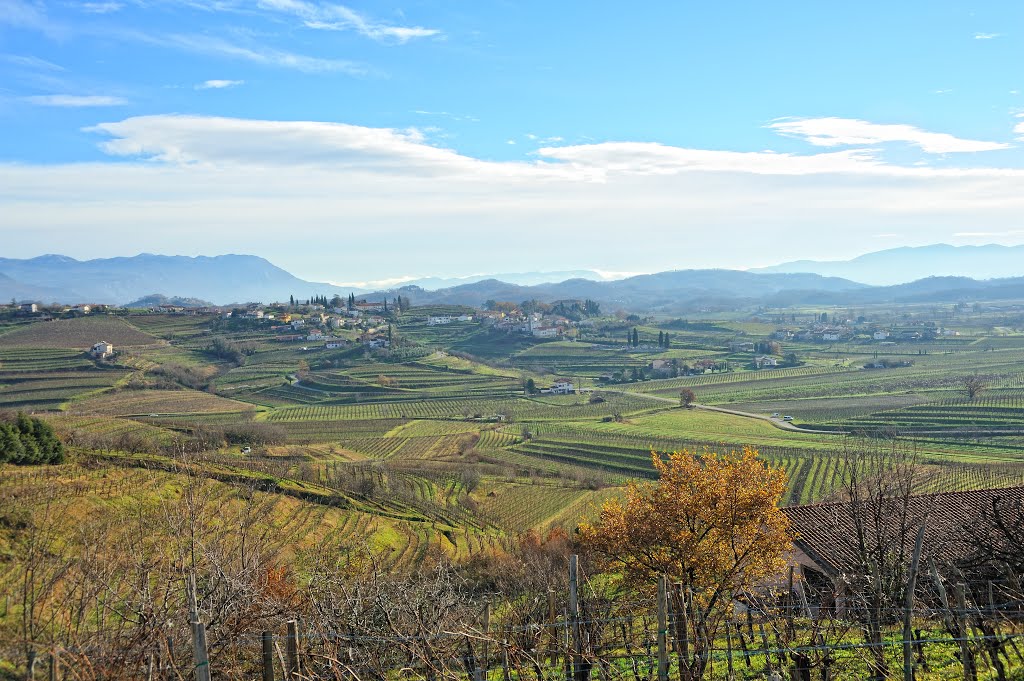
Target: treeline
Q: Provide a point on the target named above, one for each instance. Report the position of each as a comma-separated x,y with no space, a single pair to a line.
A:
25,441
196,439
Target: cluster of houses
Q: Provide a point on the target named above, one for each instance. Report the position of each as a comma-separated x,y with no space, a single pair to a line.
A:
53,311
441,320
535,324
851,331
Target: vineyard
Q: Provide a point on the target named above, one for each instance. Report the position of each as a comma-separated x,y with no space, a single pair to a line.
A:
445,452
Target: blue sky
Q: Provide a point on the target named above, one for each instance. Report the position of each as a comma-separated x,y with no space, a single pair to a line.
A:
442,138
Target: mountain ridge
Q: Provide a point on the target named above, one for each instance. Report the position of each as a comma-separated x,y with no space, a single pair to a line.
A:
911,263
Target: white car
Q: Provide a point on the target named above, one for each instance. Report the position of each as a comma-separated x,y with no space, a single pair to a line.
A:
787,418
775,414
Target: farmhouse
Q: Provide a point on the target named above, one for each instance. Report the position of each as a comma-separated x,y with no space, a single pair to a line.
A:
765,361
442,319
335,344
102,350
29,307
881,334
563,386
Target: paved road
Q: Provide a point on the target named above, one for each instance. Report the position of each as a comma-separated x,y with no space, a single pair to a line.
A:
777,422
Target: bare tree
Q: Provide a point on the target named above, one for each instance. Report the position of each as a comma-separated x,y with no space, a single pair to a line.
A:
876,524
974,385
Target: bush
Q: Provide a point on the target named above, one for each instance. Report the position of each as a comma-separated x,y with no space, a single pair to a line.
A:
25,440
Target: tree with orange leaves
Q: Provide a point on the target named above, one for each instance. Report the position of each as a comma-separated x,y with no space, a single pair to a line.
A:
711,524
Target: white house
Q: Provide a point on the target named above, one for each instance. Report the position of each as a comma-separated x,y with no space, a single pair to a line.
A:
831,336
81,309
315,336
465,317
765,361
335,344
379,343
102,350
563,387
544,331
435,321
298,323
880,335
29,307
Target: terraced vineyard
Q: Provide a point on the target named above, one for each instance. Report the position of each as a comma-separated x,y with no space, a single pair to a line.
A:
444,452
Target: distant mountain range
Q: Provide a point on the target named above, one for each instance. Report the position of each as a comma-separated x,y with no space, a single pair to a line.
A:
691,290
149,280
222,279
909,263
518,278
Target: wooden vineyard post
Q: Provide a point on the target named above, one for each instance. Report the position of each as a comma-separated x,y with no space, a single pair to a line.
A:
268,656
908,609
662,628
552,629
199,652
482,674
292,651
580,671
728,650
54,664
954,626
964,630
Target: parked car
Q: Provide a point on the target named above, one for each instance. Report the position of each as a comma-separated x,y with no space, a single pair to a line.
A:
775,414
787,418
246,450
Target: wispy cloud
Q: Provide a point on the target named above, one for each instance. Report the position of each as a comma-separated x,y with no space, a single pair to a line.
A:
335,17
30,15
101,7
834,132
30,62
76,101
987,36
218,84
260,54
446,114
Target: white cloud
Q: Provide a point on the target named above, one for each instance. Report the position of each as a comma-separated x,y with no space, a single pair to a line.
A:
76,101
233,141
101,7
832,132
1019,129
335,17
260,54
30,62
30,15
647,158
986,36
210,184
218,84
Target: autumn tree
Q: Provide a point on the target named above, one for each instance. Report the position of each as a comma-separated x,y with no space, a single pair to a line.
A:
711,524
686,397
